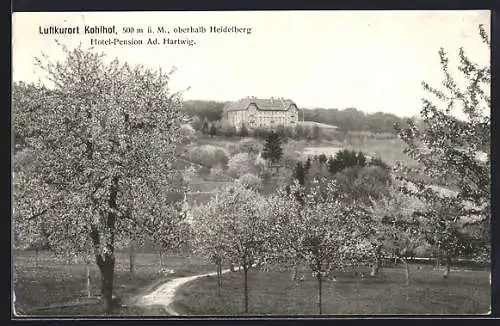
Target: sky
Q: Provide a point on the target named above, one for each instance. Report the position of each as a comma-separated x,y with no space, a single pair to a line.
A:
371,60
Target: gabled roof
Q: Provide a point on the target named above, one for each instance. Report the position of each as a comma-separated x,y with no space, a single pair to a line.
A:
269,104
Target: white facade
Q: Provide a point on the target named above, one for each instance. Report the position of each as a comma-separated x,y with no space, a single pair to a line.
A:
261,113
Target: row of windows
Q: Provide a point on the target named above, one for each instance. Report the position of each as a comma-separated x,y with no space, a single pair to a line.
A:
262,117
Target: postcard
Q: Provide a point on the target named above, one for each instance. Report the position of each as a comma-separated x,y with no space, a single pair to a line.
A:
251,163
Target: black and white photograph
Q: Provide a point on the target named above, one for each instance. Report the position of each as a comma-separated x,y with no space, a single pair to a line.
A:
251,163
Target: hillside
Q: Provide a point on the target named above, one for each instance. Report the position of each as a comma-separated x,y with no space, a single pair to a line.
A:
318,124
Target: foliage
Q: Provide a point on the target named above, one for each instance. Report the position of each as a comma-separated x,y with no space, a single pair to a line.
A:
316,171
250,181
208,155
104,136
231,227
354,120
241,164
217,172
444,229
321,158
272,149
397,227
364,183
299,173
213,130
249,145
397,217
307,164
167,225
188,134
377,161
243,131
205,128
261,133
299,131
228,130
285,132
316,133
319,228
344,159
209,110
196,123
448,147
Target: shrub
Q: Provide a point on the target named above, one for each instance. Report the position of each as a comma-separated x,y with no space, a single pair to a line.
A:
290,160
196,123
213,130
217,172
243,131
208,155
240,164
249,145
261,132
188,133
205,127
250,180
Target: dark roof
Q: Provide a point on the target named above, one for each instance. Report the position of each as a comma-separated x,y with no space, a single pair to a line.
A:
269,104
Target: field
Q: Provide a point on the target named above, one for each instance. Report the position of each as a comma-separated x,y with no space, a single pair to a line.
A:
389,150
53,287
466,292
386,146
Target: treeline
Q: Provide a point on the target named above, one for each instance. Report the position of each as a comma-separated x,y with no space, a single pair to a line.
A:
209,110
350,119
354,119
357,172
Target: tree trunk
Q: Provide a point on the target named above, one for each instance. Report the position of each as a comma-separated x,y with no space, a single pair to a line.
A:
294,273
89,294
378,262
36,257
407,275
448,266
107,269
376,267
407,271
438,257
219,274
320,288
131,254
106,261
160,255
219,277
245,280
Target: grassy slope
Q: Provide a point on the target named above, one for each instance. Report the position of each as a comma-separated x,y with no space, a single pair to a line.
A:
466,292
56,282
389,149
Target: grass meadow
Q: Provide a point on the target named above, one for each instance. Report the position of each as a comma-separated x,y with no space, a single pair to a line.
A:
46,285
274,293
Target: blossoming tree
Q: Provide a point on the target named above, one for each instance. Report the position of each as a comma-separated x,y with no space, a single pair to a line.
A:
103,136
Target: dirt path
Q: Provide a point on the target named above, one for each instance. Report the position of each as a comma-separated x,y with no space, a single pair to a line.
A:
164,294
